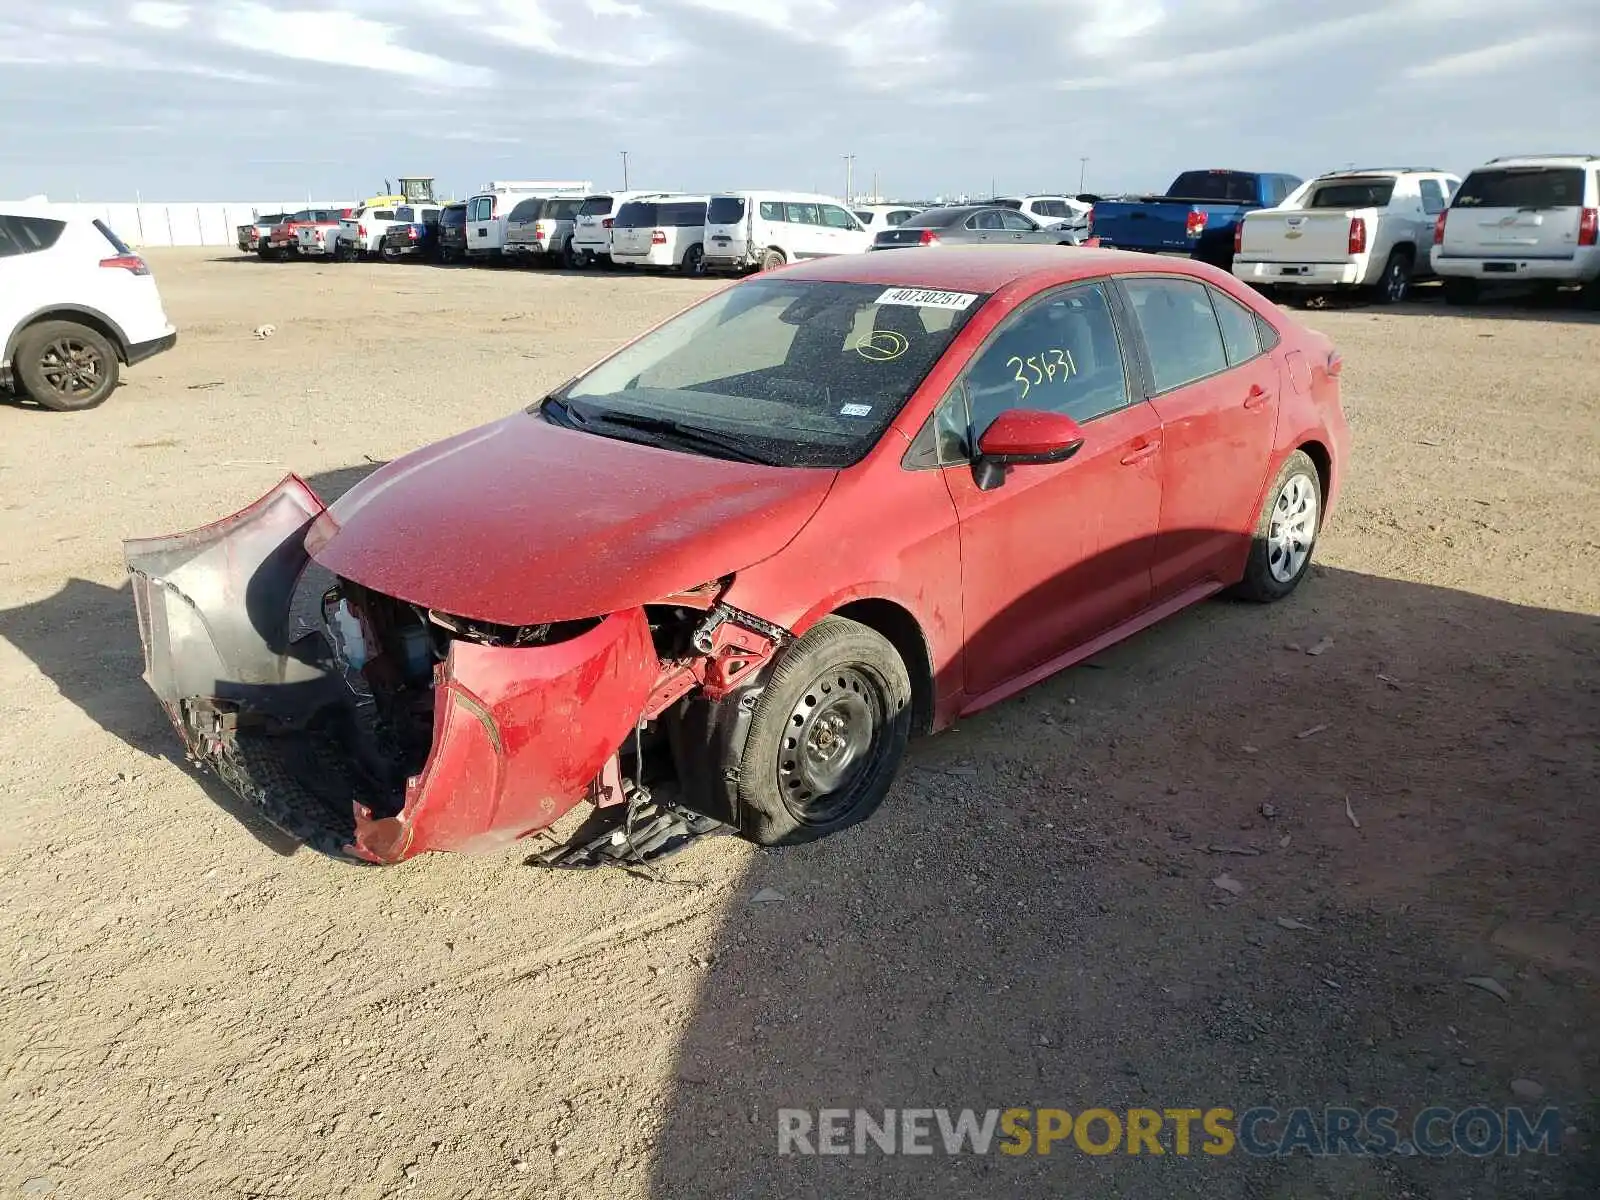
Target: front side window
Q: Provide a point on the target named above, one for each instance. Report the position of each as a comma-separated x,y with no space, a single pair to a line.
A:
1181,334
1060,354
793,373
1016,222
481,207
836,218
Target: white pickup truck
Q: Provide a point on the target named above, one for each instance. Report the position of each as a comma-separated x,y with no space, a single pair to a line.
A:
360,235
1369,229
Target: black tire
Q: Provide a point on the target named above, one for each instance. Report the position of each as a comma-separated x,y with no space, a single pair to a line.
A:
1394,285
1589,296
771,260
268,254
569,258
1460,291
841,690
64,366
1265,578
694,260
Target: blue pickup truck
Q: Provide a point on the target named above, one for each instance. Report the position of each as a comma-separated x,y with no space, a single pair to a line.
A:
1195,218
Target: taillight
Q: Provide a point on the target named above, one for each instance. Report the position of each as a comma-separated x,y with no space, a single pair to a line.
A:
1438,228
1589,227
658,238
1196,224
1089,219
928,238
494,207
412,233
606,224
361,231
1358,235
1238,236
127,262
540,228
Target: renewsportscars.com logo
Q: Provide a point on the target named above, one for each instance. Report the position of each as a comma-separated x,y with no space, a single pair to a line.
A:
1258,1132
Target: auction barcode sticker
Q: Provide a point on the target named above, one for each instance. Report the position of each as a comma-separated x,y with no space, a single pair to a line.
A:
922,298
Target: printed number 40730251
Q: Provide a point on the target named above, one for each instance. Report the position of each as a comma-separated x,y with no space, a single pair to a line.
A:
1046,366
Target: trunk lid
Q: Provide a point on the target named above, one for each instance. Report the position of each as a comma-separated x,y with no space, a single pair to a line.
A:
1516,212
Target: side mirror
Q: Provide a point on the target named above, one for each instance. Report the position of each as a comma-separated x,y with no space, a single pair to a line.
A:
1024,437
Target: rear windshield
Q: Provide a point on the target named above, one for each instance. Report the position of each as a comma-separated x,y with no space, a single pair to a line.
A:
635,214
1239,187
1011,204
560,210
270,219
683,213
455,215
117,244
595,206
934,218
785,372
526,210
725,210
405,213
1352,193
1522,187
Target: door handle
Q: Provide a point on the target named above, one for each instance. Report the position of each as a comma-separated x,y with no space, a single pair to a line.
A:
1256,396
1141,452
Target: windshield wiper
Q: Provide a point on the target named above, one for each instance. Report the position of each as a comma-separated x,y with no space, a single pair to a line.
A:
672,431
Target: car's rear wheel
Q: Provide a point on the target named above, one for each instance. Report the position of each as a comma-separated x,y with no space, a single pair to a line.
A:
771,260
1395,283
65,366
826,737
1286,531
694,260
1460,291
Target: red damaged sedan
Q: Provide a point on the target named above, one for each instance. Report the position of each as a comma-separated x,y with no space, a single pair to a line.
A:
744,559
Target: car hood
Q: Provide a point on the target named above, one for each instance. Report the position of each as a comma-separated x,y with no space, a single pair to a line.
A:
521,522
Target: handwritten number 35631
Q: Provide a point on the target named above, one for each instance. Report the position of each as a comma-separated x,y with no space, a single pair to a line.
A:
1046,366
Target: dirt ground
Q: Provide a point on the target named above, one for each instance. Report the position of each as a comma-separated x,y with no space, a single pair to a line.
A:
190,1007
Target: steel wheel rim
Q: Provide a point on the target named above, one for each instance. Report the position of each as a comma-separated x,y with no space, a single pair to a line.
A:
830,743
1293,528
71,367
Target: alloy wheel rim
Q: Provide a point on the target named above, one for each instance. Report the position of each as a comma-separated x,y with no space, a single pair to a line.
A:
1397,283
71,367
1293,527
829,743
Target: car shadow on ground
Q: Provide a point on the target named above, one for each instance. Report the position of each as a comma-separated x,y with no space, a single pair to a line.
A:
1427,300
1218,872
86,641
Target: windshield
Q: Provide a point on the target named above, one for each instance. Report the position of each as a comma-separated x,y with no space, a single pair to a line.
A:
725,210
1521,187
789,373
1239,187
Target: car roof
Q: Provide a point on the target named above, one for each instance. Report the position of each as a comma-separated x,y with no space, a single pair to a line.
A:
780,195
1540,160
982,268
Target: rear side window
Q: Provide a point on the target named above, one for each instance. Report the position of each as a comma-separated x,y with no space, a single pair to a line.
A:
1052,208
1226,187
804,214
117,244
1016,221
683,214
1241,337
1181,334
771,210
1361,193
560,210
729,210
29,235
595,206
1433,197
1522,187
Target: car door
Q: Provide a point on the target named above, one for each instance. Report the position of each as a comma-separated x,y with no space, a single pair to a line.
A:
845,234
1020,228
1055,555
987,227
1214,385
479,217
806,230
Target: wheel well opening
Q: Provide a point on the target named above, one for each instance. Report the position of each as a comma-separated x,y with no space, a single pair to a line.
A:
1323,461
1406,249
901,630
88,320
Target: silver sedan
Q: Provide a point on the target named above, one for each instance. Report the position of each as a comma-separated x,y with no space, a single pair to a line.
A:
973,225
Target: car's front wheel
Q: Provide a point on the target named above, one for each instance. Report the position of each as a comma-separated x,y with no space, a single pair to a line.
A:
65,366
827,735
1286,531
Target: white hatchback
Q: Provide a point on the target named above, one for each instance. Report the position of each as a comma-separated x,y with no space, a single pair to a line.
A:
76,303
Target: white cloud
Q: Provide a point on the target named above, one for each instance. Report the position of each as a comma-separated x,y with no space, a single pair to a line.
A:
602,32
1487,60
158,15
338,39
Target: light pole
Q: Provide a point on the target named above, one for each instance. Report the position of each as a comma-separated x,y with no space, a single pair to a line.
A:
624,170
849,175
1083,165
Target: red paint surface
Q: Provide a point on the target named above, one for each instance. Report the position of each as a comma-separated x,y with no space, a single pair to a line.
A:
1025,432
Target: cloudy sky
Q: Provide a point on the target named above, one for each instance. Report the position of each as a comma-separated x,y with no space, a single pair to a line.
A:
245,100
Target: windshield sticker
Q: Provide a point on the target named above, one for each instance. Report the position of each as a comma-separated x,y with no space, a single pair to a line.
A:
921,298
856,410
885,345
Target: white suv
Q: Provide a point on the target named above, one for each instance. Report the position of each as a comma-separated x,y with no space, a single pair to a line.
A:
75,304
1533,219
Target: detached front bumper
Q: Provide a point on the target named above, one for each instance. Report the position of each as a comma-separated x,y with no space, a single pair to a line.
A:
265,691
